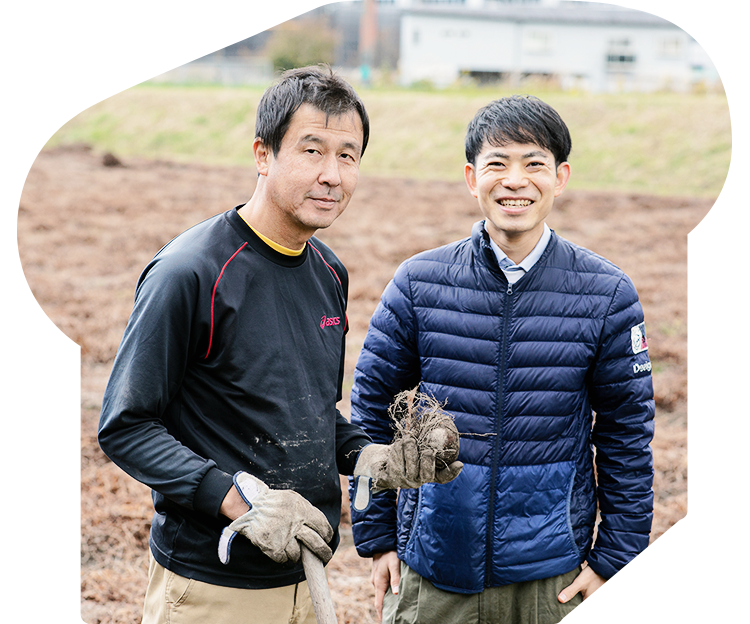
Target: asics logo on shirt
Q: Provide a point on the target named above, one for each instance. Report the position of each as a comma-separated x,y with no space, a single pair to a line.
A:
326,321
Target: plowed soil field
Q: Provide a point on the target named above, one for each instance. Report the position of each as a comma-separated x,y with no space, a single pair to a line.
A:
89,224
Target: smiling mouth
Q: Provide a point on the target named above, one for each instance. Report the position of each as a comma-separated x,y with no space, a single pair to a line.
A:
515,203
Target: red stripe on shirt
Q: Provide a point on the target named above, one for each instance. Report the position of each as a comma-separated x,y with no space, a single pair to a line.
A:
324,262
213,298
336,275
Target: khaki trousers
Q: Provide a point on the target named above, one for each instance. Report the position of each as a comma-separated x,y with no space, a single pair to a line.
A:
530,602
173,599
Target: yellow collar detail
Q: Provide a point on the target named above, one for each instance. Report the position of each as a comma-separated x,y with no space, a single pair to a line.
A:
273,245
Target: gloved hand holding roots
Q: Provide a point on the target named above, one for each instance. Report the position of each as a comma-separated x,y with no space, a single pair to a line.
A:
424,450
276,521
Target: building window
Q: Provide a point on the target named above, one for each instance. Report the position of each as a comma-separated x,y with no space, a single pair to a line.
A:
698,33
536,42
452,33
671,48
622,59
620,55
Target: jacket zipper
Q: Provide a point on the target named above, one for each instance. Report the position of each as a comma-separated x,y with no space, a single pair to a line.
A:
499,441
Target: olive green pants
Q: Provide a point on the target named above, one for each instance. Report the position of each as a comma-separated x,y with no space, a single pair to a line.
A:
173,599
530,602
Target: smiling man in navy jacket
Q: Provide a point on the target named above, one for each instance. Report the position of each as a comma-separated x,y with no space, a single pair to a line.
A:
538,348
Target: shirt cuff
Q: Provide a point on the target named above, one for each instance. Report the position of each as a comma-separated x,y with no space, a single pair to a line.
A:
346,457
211,492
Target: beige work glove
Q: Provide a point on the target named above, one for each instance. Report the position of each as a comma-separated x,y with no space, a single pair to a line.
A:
276,521
404,464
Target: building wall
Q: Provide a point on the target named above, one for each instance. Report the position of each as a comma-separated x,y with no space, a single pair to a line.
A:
710,49
597,57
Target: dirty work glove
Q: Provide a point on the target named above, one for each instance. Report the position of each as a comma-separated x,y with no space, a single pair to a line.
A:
276,520
404,464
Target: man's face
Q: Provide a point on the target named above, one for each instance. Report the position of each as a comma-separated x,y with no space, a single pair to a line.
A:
312,178
515,185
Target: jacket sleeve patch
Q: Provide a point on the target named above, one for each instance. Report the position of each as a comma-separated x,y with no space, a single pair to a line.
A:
638,338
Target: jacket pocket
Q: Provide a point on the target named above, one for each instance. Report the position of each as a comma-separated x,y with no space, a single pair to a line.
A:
415,520
446,541
532,529
568,500
408,503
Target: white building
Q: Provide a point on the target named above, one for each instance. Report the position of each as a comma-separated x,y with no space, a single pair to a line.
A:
591,46
709,47
710,23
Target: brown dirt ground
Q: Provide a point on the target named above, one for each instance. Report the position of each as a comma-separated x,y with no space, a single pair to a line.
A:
86,230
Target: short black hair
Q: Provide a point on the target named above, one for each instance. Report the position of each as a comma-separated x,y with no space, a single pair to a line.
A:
316,85
518,119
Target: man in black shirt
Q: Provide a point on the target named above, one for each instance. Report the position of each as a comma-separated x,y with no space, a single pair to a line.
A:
223,394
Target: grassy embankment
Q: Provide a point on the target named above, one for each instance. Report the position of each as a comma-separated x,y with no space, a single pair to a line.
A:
664,144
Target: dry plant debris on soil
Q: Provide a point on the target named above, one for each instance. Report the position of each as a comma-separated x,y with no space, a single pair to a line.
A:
87,227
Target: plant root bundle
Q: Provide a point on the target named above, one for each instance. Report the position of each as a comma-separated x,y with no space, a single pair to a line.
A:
421,416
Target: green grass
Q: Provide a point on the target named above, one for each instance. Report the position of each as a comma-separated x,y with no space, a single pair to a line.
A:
665,143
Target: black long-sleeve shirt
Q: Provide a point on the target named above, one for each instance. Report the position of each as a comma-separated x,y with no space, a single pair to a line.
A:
232,360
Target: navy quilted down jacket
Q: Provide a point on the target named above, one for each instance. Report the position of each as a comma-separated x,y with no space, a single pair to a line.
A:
522,369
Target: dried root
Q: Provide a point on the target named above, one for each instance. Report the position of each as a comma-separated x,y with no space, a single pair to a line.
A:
420,415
